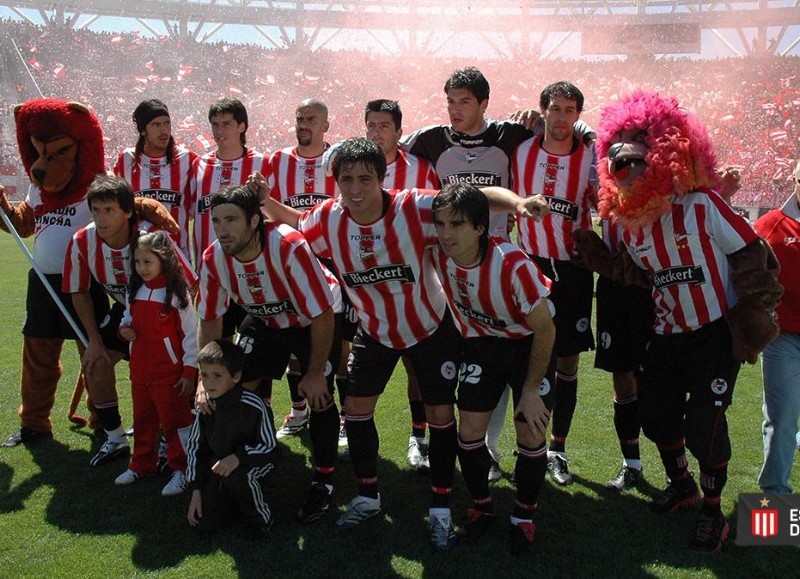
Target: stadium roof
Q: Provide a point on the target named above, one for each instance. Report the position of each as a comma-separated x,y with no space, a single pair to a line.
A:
506,27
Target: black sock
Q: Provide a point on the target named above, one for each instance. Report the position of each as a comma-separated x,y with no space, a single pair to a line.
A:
529,475
626,423
323,430
563,410
362,439
475,462
442,456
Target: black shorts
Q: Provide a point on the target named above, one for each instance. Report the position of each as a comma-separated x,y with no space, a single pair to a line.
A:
699,364
109,330
489,364
625,317
232,319
267,350
349,318
571,294
433,359
43,317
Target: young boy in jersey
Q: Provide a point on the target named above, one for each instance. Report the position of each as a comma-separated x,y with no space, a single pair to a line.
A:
498,299
231,450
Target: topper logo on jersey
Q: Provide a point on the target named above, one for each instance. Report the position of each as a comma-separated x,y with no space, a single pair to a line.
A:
204,204
269,310
479,179
563,207
380,274
163,196
307,200
685,274
480,316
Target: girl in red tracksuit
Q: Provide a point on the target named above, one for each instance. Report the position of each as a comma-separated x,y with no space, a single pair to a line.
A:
161,324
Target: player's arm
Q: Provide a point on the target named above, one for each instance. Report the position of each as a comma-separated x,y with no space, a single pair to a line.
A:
82,301
502,199
531,407
314,385
274,209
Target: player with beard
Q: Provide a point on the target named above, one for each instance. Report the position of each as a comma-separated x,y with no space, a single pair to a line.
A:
297,178
560,167
269,270
159,169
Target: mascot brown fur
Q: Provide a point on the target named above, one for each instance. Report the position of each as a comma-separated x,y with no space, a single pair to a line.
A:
61,146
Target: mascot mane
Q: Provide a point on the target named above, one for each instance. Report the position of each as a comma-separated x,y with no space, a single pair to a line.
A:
680,157
46,119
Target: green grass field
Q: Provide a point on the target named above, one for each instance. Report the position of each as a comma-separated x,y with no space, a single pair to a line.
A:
61,518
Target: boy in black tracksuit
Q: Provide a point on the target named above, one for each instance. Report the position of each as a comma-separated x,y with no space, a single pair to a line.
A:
230,450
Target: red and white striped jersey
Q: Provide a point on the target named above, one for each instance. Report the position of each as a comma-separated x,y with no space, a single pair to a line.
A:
209,175
685,252
285,285
168,184
494,297
53,230
297,181
88,256
394,289
564,180
408,171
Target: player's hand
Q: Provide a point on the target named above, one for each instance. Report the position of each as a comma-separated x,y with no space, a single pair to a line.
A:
201,400
257,183
225,466
314,387
195,509
94,352
127,333
535,206
184,386
532,409
526,117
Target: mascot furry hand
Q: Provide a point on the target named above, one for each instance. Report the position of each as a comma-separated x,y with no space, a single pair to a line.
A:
651,151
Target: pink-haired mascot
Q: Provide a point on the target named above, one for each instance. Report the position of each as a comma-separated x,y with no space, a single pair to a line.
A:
714,283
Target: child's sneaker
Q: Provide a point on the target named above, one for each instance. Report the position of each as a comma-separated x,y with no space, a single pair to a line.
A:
126,478
176,485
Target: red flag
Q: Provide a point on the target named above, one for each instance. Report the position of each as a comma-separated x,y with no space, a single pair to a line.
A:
149,65
202,142
35,64
59,71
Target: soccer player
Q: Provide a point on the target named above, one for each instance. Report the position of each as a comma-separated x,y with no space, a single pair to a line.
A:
498,299
376,239
559,166
269,270
384,124
159,169
101,251
297,177
230,164
625,315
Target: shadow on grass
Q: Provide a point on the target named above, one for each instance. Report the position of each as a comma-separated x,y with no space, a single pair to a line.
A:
583,529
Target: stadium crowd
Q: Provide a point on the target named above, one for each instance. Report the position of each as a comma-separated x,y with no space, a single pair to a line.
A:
748,102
